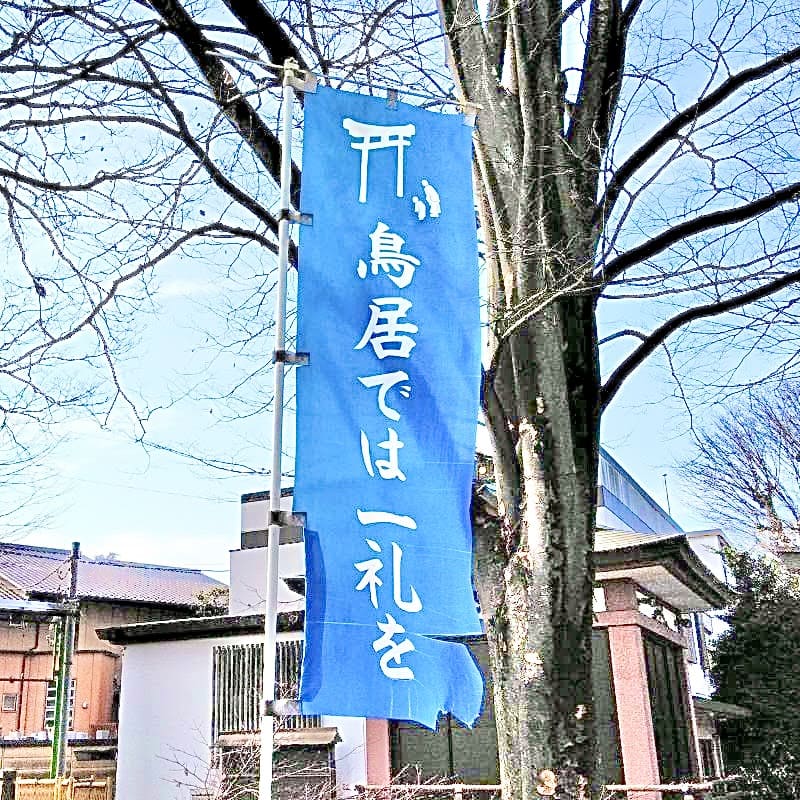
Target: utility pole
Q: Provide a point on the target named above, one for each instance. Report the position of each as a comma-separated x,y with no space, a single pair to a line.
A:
66,648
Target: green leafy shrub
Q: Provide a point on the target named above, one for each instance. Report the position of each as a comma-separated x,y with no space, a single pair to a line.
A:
756,663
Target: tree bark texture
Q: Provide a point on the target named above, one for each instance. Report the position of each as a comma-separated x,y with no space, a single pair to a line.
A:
534,558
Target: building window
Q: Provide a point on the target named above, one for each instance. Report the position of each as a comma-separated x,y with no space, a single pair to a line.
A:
50,704
9,702
236,687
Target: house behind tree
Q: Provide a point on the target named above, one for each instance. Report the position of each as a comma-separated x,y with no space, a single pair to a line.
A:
110,592
205,706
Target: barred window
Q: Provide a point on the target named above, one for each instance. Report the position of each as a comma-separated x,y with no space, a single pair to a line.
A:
237,681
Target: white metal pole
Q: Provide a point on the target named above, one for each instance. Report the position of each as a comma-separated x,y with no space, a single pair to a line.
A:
271,608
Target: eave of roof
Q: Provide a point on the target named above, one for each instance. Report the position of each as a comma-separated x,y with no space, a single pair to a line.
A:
720,709
304,737
662,564
198,628
658,561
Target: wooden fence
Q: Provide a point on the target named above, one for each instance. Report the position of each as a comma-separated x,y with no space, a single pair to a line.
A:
63,789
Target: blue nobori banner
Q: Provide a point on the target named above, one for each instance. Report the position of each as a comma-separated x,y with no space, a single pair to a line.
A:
387,409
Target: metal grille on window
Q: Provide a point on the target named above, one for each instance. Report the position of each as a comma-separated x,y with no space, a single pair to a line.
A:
236,687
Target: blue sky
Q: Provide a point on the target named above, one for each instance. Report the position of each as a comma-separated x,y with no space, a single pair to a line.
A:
113,495
147,505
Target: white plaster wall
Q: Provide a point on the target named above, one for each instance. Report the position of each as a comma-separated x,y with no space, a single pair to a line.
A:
248,579
699,684
598,600
699,680
165,721
707,545
351,751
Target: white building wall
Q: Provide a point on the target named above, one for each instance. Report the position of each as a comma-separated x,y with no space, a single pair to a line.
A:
248,579
699,682
350,752
165,721
708,545
249,566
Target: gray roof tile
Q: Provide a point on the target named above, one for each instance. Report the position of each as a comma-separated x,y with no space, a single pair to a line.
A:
45,571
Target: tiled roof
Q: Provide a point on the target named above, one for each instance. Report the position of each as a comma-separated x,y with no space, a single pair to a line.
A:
8,592
45,571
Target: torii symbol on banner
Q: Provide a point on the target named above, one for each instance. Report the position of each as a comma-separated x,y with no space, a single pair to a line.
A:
379,137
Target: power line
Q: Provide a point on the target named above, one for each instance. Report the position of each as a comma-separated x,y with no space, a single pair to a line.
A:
157,491
57,569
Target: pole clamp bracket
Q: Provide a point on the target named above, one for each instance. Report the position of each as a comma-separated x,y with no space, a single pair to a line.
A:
288,519
288,357
280,708
301,80
296,216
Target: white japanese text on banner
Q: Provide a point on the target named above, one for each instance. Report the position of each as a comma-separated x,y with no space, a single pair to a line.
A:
387,409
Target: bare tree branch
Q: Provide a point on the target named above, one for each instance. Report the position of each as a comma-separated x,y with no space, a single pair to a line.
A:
662,333
695,226
691,113
271,35
238,110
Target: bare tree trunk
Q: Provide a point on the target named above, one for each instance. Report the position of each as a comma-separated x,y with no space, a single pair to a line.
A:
534,568
534,561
